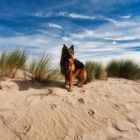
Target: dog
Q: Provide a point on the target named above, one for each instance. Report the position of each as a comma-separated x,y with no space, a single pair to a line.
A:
72,68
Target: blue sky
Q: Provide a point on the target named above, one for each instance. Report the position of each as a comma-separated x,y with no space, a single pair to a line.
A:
99,29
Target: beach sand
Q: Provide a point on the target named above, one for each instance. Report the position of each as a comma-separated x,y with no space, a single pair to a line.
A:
101,110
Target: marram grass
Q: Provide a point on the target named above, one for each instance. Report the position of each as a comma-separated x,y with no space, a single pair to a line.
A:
124,68
10,62
95,70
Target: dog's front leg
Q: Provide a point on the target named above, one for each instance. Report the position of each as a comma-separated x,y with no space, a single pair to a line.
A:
70,82
66,81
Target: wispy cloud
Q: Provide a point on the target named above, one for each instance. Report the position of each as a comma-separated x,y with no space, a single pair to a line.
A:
75,15
125,17
53,25
42,14
85,17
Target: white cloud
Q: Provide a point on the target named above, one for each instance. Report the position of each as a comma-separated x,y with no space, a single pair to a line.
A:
42,14
53,25
75,15
82,16
125,17
114,42
121,38
106,18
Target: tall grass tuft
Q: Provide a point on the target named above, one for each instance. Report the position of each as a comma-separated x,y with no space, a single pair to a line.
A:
98,70
123,68
10,62
113,68
3,63
40,67
90,71
95,71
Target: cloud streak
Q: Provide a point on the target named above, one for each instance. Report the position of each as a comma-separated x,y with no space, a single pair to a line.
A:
53,25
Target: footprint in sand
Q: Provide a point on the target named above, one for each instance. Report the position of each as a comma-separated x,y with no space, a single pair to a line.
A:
124,126
53,106
117,107
82,91
80,137
27,128
81,101
106,95
135,120
91,113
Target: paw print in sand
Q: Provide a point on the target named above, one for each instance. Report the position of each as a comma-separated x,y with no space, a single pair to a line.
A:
91,113
81,101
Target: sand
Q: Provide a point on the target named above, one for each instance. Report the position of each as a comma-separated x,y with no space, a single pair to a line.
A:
101,110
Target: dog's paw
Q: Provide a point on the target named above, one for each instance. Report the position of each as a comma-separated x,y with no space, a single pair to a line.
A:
70,90
80,85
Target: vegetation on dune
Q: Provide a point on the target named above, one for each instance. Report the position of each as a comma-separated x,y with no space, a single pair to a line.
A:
123,68
95,71
90,71
10,62
41,71
39,67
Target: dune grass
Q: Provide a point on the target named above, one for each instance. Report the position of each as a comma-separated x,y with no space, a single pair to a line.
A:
95,70
123,68
90,71
39,67
10,62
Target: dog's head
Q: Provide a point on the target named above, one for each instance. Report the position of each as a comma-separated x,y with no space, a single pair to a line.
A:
68,52
67,59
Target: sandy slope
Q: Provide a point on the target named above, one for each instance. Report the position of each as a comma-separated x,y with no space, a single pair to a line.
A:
101,110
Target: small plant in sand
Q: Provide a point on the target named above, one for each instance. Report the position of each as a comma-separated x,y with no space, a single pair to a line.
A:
95,71
123,68
10,62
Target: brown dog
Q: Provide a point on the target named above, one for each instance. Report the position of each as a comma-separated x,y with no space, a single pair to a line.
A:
72,68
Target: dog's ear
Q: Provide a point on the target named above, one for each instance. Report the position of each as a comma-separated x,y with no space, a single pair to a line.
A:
64,47
72,48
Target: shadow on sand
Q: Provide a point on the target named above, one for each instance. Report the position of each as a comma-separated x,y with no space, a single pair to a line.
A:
25,85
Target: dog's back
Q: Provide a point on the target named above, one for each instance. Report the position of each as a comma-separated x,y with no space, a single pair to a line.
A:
80,71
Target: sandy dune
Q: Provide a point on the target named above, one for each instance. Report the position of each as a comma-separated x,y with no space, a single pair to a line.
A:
101,110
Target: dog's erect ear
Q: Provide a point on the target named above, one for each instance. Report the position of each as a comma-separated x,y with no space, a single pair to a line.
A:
72,48
64,47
